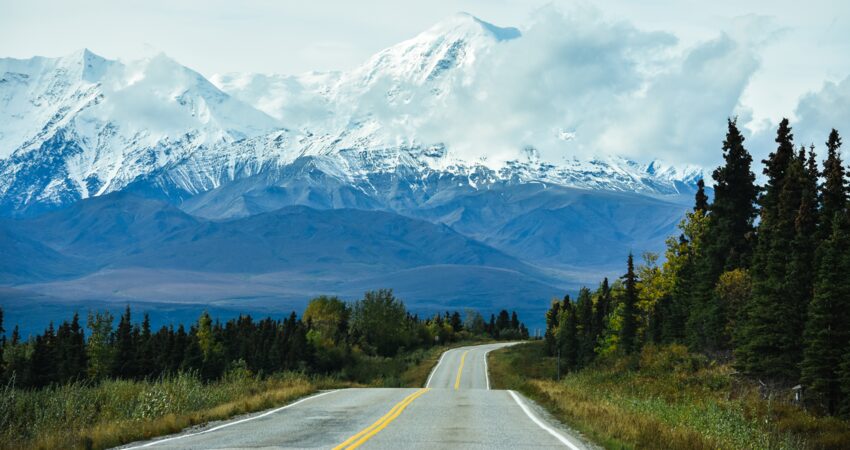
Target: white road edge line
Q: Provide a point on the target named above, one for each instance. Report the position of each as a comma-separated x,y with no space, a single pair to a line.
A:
434,370
540,423
149,444
487,369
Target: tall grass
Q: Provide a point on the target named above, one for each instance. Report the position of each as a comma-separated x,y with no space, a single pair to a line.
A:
666,399
84,415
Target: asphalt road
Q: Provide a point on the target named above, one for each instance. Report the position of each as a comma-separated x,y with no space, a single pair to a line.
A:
456,409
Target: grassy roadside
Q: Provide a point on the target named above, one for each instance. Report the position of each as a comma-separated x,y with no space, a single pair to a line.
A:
114,412
673,401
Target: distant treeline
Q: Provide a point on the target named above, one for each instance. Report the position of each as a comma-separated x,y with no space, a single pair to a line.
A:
326,339
772,295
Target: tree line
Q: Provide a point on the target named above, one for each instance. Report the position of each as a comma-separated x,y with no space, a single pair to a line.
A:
330,336
758,276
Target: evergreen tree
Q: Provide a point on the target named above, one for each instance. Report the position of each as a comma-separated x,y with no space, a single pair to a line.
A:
584,323
628,331
800,273
43,364
700,199
676,310
514,321
503,322
552,322
601,308
124,362
833,192
147,365
727,244
491,327
456,323
567,336
193,357
768,343
827,334
71,351
179,347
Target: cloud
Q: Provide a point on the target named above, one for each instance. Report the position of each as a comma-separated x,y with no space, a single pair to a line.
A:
819,112
609,86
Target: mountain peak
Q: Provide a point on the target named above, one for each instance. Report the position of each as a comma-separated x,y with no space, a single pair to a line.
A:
466,23
91,65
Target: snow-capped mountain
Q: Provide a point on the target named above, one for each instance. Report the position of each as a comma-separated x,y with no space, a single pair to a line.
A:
144,181
81,125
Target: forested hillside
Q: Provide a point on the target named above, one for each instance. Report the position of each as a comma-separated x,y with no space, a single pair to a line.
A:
757,278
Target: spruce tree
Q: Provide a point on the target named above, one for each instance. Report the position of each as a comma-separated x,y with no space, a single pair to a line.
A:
676,310
567,336
193,357
503,322
584,323
767,342
628,332
514,320
701,199
728,241
601,308
456,322
800,273
833,192
146,354
43,364
827,333
552,322
124,362
71,351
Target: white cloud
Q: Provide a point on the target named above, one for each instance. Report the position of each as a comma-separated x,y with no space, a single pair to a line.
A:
819,112
616,89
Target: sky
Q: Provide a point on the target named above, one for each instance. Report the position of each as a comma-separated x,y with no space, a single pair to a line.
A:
678,64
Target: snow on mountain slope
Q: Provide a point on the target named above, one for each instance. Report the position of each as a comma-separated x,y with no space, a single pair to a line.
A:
82,126
38,92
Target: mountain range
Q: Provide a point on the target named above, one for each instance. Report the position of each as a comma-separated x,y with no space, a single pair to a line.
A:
144,181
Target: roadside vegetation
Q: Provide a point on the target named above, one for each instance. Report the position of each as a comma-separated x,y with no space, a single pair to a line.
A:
664,398
106,414
740,338
67,388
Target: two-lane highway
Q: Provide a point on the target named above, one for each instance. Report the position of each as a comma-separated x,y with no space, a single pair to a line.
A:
456,409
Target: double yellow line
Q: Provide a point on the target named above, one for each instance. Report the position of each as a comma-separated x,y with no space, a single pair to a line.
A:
358,439
460,370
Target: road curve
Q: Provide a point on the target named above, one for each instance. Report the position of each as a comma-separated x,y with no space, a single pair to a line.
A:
456,409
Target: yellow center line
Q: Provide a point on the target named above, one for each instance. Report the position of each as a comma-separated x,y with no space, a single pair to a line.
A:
460,370
358,439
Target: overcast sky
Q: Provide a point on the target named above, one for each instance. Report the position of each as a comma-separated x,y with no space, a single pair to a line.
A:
795,47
